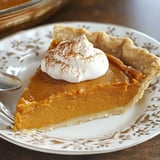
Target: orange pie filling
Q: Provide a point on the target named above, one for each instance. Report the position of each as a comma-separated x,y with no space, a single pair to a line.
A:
50,102
4,4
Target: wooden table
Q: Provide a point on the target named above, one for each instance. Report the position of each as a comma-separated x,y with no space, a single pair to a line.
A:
142,15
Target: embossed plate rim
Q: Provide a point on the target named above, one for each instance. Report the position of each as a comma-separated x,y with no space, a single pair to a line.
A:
86,145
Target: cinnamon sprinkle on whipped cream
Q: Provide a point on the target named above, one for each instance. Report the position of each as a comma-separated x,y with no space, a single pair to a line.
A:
75,61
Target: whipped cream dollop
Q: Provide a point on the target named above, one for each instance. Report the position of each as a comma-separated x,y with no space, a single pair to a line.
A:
75,61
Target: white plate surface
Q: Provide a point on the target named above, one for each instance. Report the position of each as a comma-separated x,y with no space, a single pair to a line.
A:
20,54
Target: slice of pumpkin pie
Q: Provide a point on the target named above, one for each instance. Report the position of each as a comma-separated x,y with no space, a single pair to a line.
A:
84,76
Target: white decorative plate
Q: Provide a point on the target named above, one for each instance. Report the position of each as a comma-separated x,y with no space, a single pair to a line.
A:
21,53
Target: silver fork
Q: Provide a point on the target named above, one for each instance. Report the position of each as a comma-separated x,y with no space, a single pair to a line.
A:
6,114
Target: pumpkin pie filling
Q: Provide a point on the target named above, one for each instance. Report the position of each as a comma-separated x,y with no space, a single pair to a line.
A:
8,4
50,102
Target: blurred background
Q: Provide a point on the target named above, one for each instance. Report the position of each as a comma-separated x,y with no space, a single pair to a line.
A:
142,15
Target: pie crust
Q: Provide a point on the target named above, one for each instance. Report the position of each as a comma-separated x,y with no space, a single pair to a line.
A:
146,64
121,47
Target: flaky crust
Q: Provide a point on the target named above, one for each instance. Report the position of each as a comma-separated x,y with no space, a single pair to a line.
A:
122,48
